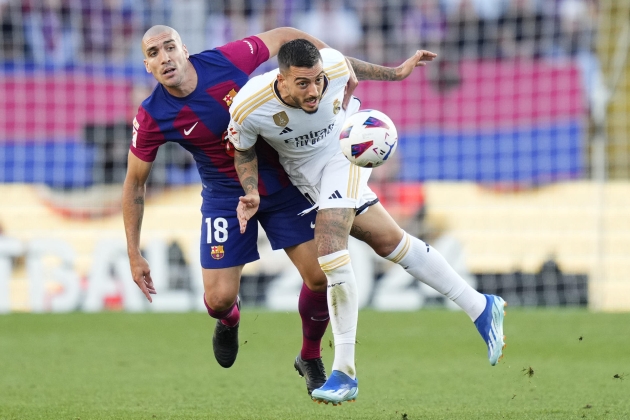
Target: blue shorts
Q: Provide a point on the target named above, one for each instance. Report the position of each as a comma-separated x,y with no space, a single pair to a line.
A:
223,245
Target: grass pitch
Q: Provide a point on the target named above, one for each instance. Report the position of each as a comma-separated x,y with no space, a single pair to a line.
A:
559,364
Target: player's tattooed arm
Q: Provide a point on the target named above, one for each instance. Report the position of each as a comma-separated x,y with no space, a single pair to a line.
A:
133,211
369,71
246,163
134,190
139,200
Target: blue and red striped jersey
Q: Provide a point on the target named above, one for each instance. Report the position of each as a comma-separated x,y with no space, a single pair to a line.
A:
197,122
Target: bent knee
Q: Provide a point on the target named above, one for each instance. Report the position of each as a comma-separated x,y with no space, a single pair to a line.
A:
218,301
316,282
383,250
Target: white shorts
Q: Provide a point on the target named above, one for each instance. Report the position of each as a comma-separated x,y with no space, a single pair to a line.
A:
343,186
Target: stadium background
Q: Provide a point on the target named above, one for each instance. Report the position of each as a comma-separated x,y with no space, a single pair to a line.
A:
513,160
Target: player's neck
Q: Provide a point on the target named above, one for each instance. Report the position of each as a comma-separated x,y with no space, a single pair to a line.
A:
188,85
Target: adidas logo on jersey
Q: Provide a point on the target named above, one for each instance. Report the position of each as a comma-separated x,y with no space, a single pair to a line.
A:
285,131
335,195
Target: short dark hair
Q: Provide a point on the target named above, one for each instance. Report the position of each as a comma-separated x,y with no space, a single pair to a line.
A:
298,53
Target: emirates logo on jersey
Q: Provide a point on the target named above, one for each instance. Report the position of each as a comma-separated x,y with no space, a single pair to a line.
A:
311,138
229,98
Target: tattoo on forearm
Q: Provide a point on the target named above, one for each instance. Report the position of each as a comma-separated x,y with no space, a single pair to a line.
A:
246,164
245,157
369,71
250,184
139,200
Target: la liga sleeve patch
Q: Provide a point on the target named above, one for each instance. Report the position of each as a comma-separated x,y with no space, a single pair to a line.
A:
233,136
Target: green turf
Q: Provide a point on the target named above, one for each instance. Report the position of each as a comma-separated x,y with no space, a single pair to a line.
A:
423,365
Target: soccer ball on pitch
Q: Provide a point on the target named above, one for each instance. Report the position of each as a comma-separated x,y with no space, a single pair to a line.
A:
368,138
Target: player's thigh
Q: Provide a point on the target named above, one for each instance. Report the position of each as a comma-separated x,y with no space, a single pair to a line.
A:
221,286
343,185
279,216
332,228
221,244
304,257
285,228
377,228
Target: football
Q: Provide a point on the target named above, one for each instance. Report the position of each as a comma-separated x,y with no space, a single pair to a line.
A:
368,138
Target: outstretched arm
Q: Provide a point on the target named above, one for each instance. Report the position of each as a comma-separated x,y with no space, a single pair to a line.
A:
133,211
246,163
369,71
361,70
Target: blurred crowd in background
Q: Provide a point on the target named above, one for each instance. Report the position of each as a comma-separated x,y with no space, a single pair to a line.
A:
483,48
478,113
70,32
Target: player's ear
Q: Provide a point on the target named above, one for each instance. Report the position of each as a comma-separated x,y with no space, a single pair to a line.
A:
185,50
280,78
146,66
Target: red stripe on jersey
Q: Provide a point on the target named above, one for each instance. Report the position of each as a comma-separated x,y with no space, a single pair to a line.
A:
221,93
147,137
246,54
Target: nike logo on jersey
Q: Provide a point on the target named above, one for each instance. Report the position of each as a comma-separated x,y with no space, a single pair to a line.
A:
335,195
312,225
285,131
187,132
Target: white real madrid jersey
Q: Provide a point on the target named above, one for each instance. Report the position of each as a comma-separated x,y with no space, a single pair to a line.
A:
305,142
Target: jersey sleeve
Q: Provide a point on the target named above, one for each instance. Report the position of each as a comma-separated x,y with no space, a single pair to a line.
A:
242,136
335,67
146,136
246,54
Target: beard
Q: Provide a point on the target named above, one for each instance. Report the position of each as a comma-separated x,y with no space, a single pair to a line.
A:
308,111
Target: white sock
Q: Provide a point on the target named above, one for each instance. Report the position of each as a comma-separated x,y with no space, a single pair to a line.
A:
343,307
426,264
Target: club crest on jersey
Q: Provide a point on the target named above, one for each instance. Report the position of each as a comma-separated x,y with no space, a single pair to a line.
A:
217,252
336,106
281,119
230,97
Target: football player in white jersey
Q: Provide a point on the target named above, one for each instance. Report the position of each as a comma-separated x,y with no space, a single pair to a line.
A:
298,110
305,144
